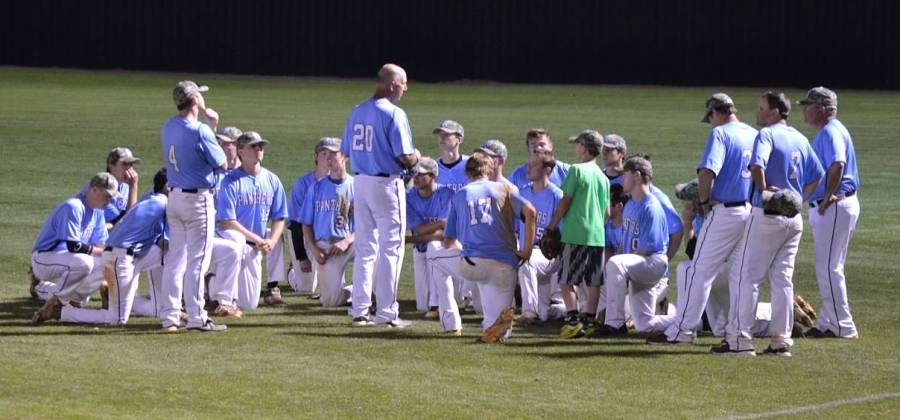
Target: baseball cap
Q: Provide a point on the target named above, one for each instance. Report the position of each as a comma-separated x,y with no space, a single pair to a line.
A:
450,127
638,163
105,181
820,96
589,138
493,147
249,138
328,143
614,141
229,134
426,165
718,100
121,154
688,191
185,90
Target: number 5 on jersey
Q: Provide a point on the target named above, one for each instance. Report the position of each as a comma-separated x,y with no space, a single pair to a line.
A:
362,137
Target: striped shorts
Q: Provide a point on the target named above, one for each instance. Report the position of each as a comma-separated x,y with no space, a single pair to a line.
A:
582,264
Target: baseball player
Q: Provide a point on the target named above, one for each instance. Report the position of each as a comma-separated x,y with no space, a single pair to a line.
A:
537,140
496,150
451,164
132,247
378,140
427,204
783,162
613,156
227,138
120,163
483,217
583,209
834,211
251,196
327,217
724,185
191,154
535,274
643,261
302,274
69,246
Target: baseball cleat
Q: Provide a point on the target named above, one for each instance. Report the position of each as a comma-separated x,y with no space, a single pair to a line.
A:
227,311
454,333
209,326
573,328
272,297
782,352
605,330
362,321
724,349
526,320
432,313
663,340
395,323
500,328
51,310
172,328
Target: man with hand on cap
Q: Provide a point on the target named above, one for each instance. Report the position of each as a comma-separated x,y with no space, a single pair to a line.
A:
538,140
451,164
583,210
327,218
68,248
496,150
378,140
227,138
191,154
120,163
724,192
252,196
834,211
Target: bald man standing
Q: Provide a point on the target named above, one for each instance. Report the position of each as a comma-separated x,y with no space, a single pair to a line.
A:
378,140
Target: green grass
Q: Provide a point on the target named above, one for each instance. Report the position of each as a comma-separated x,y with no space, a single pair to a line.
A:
305,361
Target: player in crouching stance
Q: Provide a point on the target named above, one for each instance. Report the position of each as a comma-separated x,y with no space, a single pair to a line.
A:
302,274
250,197
641,266
483,217
327,218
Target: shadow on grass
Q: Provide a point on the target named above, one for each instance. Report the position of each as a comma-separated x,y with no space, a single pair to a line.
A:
19,308
375,333
606,352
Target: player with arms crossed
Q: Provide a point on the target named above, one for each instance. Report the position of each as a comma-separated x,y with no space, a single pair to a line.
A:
302,275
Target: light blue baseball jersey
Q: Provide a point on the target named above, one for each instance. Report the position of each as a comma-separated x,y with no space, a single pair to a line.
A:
251,200
71,220
420,210
645,227
453,176
727,154
833,144
377,131
673,219
328,208
615,237
519,176
220,174
544,203
298,194
787,159
477,220
117,205
191,153
141,226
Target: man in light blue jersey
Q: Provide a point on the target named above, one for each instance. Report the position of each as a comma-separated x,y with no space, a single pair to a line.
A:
120,163
538,140
483,219
250,198
451,164
639,269
302,274
724,188
782,163
132,247
613,155
834,211
379,143
327,218
538,276
69,246
191,154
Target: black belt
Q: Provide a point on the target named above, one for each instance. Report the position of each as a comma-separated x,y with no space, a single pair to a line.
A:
734,203
768,212
818,203
469,261
128,251
380,174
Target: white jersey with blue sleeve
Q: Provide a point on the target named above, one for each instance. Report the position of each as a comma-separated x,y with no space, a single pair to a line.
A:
71,220
482,217
544,203
298,194
833,144
377,131
453,176
645,225
727,154
519,176
328,208
252,200
141,226
615,237
673,219
191,153
787,159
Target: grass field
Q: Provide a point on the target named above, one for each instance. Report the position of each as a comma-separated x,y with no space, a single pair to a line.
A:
306,361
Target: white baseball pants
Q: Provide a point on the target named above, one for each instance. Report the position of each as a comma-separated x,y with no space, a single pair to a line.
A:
149,306
642,279
535,277
422,282
719,303
831,238
496,285
298,280
444,264
334,290
71,277
227,254
246,291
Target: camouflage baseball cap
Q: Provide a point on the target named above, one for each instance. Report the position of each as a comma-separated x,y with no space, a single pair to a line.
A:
614,141
450,127
185,90
588,137
493,147
229,134
121,154
688,191
249,138
820,96
106,182
718,100
784,202
426,165
640,164
328,143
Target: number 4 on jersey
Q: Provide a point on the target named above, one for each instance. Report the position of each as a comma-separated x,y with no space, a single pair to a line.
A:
172,159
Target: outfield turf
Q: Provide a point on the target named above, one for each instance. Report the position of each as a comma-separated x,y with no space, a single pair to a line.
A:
306,361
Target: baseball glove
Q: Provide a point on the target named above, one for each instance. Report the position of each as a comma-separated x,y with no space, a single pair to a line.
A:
784,202
551,243
804,316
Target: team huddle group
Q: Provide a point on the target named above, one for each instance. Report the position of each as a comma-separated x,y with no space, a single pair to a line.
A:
589,242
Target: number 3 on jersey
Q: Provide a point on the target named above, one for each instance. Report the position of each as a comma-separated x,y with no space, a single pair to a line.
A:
362,137
172,159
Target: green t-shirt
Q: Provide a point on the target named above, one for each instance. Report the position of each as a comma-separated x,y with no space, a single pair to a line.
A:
588,188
